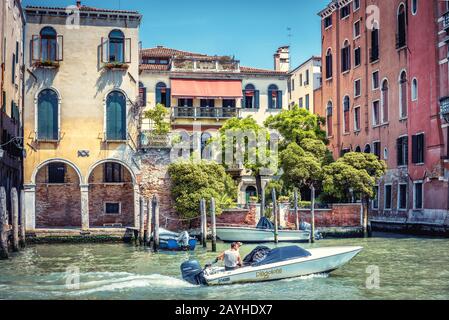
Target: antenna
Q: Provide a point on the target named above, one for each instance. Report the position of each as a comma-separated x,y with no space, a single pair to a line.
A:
289,35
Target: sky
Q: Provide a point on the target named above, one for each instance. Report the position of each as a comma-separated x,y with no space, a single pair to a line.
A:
250,30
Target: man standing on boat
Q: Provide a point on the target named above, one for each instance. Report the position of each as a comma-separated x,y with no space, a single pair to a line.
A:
231,258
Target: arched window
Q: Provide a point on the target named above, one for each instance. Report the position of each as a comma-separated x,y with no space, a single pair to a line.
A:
374,50
385,101
403,94
250,97
346,109
116,116
346,57
49,44
206,153
414,6
48,115
414,89
358,149
163,95
274,97
250,191
367,149
329,112
329,63
401,35
116,46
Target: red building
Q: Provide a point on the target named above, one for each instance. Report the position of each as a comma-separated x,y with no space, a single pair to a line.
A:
380,94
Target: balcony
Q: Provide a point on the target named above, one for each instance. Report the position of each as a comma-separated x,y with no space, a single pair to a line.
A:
205,113
446,21
444,108
373,54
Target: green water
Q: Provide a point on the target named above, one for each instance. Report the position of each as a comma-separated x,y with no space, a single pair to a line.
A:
409,268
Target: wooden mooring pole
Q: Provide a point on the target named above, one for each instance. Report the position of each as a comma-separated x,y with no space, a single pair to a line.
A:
155,208
148,230
22,230
203,223
262,204
4,254
312,210
296,209
213,225
141,221
276,232
15,219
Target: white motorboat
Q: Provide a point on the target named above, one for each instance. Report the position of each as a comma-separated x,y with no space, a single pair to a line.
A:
264,264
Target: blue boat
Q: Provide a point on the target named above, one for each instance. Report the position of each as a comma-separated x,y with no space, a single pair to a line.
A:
172,241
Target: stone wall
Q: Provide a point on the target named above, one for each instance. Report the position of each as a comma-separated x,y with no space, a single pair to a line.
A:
339,215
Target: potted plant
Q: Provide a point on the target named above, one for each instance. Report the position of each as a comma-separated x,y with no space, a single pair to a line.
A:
47,64
116,65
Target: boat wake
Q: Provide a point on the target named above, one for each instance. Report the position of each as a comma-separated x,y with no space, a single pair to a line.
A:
309,277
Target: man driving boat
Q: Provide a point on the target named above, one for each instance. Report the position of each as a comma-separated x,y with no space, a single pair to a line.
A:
231,258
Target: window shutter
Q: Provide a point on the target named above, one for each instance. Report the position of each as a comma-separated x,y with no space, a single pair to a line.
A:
279,106
421,148
128,50
60,48
256,99
158,96
243,101
414,149
399,152
104,50
270,99
168,98
35,48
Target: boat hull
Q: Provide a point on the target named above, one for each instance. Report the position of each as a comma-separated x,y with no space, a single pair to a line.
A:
323,260
252,235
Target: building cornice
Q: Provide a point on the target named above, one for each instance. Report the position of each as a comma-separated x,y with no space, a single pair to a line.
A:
333,6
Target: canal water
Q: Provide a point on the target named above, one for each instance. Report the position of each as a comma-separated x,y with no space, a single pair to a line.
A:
408,268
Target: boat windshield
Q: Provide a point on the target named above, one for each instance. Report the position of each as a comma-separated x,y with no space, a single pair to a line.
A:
265,224
283,254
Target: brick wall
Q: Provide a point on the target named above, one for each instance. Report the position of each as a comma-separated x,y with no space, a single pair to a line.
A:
99,193
345,215
58,205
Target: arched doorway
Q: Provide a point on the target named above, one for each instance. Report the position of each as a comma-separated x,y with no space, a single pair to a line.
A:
250,191
58,196
111,196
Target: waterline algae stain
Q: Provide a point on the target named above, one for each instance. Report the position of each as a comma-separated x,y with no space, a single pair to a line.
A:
405,268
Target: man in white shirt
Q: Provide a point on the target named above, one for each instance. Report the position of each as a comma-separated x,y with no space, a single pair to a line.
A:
231,258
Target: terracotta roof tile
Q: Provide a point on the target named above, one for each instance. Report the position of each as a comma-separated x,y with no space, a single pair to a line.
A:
160,52
260,71
154,67
82,8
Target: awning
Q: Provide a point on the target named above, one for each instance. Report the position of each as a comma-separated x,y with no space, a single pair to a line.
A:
219,89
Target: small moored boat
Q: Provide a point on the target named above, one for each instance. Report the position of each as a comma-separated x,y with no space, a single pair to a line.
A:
264,264
173,241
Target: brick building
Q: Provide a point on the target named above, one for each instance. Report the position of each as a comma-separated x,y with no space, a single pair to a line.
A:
380,95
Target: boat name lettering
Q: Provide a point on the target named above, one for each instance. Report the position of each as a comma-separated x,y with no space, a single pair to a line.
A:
268,274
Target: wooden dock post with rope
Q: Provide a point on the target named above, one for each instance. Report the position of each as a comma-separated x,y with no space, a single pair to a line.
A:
155,209
213,225
148,229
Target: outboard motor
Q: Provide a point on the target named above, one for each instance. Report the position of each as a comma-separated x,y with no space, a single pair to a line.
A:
193,273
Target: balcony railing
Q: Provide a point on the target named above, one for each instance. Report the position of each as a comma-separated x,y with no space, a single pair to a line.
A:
446,21
205,113
373,54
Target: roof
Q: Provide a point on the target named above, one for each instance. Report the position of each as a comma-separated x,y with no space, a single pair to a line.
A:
154,67
160,51
251,70
316,58
84,8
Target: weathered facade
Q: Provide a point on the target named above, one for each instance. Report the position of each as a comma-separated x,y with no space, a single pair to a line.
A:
81,117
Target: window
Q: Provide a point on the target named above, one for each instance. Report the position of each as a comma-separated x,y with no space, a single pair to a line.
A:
418,195
56,172
327,22
228,103
375,202
357,119
357,88
48,116
116,46
402,151
356,5
367,149
48,44
376,149
357,56
301,104
3,101
329,119
113,172
375,80
300,80
403,95
414,89
402,197
116,116
207,103
358,149
376,113
385,153
250,97
346,57
374,50
401,35
385,101
13,70
163,95
307,102
329,64
142,94
346,107
307,82
274,97
112,208
344,151
357,29
387,198
414,7
418,148
345,11
293,85
185,103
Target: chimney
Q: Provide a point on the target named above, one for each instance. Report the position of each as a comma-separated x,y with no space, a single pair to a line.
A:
78,4
282,59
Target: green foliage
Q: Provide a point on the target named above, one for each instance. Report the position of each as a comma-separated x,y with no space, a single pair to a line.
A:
158,116
192,182
356,172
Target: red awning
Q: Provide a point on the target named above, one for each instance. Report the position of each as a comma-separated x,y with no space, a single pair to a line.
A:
191,88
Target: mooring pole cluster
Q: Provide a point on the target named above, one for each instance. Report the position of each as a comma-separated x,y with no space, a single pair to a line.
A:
213,223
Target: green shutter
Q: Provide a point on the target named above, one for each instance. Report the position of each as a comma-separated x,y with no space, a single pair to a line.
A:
270,99
158,96
168,98
48,116
256,99
116,117
279,106
243,99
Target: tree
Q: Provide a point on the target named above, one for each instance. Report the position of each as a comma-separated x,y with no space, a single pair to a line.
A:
355,173
193,181
158,116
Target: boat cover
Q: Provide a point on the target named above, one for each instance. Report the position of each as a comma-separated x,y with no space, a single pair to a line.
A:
265,224
283,254
257,255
